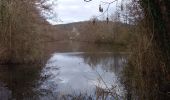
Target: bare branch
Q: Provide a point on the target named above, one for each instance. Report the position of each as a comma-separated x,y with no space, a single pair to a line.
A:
101,9
87,0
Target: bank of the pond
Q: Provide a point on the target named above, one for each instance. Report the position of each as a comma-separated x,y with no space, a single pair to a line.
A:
97,71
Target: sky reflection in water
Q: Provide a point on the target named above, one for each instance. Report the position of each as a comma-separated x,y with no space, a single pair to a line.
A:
74,73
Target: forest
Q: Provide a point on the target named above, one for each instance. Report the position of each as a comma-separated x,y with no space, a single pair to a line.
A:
139,30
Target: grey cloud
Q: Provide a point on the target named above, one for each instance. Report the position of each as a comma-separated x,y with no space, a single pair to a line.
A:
75,10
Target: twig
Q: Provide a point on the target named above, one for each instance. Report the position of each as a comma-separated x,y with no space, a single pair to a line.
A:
105,3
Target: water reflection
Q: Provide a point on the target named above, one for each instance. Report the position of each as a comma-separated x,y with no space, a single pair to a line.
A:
66,76
74,46
83,75
18,81
108,61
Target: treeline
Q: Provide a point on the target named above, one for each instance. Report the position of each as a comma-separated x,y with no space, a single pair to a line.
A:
103,32
114,32
21,29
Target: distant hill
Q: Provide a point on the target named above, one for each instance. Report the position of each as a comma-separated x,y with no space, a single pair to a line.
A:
69,26
100,31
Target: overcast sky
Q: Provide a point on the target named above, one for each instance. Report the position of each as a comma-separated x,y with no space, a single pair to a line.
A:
76,10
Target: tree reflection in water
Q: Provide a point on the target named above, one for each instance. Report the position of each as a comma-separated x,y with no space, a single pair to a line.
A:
18,81
82,76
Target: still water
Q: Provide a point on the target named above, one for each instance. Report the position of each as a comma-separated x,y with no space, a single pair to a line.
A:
69,74
66,76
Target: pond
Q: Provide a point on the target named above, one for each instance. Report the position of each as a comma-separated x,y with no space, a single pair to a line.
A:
66,76
82,74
